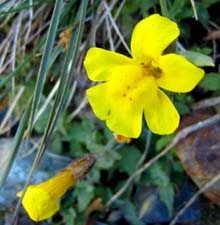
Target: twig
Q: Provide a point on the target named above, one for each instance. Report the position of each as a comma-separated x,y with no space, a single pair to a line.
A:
179,136
3,57
116,27
194,197
45,105
110,7
30,12
119,9
14,49
194,9
8,128
206,103
180,46
78,109
7,39
147,145
214,48
97,21
111,42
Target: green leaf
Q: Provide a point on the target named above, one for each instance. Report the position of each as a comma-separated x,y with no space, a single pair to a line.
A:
69,216
177,7
163,142
197,58
182,108
208,3
107,160
159,178
211,82
206,50
85,193
167,196
130,213
81,131
130,156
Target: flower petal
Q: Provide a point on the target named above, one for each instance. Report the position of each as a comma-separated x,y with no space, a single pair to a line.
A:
101,64
152,35
179,75
59,184
121,102
38,204
161,115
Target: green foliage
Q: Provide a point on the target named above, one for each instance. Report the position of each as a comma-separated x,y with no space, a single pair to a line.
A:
211,82
177,7
130,213
140,5
130,156
167,196
208,3
84,193
108,160
203,50
159,178
163,141
182,103
69,216
133,7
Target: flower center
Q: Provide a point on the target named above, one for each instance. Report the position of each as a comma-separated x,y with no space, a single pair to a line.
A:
150,68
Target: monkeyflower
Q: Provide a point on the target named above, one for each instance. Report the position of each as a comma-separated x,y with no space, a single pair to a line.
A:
41,201
131,87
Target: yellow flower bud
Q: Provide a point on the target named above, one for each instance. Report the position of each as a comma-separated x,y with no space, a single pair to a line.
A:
41,201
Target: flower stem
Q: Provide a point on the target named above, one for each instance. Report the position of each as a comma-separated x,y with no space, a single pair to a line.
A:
164,9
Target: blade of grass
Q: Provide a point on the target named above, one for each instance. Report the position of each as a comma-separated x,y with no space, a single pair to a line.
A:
164,9
15,146
70,60
54,56
45,60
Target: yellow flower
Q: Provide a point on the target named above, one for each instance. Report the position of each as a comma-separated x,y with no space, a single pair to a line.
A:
133,86
41,201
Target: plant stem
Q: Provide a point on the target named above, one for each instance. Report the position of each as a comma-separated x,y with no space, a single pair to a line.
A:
164,9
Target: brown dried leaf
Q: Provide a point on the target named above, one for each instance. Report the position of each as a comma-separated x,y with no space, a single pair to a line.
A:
4,103
65,37
95,206
200,154
82,166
